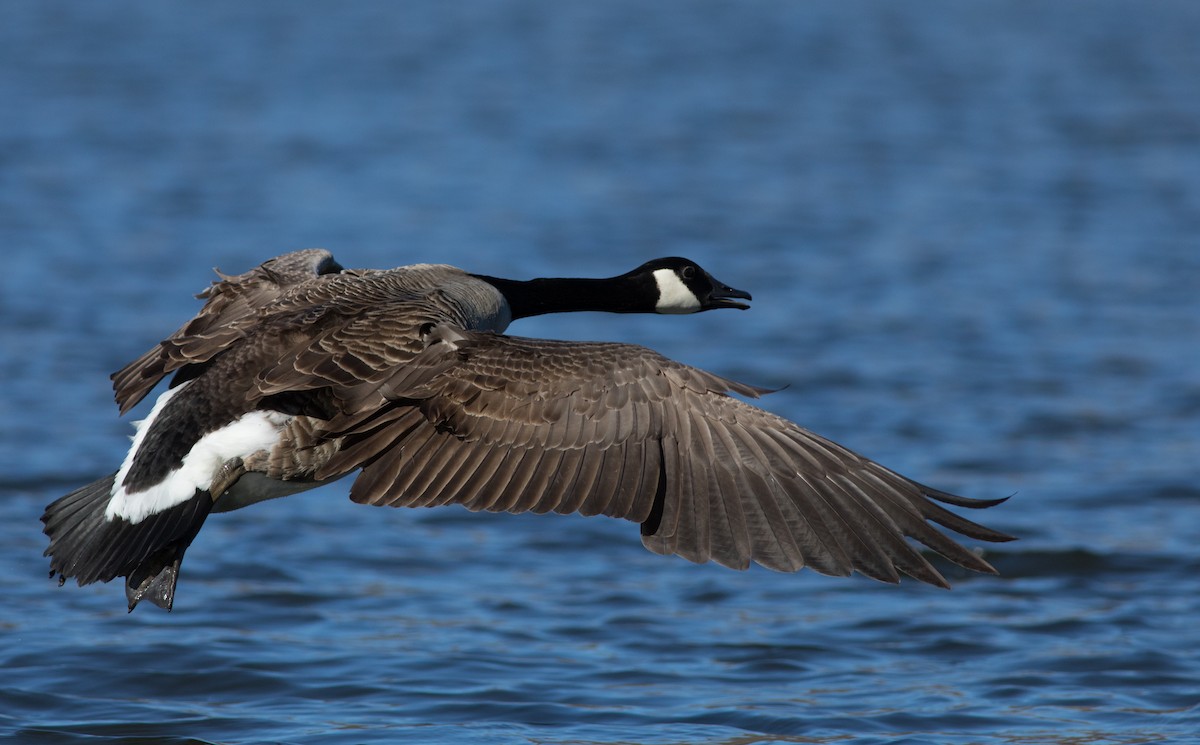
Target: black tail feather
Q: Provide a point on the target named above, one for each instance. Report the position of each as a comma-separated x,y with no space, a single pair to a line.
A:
88,546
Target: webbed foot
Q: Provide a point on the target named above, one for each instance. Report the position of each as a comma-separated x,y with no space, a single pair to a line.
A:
155,579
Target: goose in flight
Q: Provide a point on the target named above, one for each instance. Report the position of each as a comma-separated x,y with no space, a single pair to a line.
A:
300,372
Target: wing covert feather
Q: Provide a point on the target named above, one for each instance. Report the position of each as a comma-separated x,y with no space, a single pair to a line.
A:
231,309
512,424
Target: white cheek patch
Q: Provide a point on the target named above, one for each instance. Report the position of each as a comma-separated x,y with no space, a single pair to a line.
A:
673,295
255,431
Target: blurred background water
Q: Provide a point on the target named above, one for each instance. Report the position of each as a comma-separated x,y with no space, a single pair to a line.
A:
971,234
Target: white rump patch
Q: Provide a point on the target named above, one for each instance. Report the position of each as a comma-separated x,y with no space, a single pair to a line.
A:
673,295
255,431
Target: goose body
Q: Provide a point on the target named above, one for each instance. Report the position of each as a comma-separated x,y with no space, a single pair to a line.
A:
300,372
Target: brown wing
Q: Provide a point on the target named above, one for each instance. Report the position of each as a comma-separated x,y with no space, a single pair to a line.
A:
511,424
232,306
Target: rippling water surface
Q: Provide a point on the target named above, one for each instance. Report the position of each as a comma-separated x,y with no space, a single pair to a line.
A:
971,231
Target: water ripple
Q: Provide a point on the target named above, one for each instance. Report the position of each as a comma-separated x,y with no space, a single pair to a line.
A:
970,233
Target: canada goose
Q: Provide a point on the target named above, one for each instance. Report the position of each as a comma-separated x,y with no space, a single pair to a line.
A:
299,372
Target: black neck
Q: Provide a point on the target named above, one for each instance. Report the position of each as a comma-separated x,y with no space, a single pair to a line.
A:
623,294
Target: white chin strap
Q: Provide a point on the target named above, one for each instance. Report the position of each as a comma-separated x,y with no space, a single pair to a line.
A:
673,295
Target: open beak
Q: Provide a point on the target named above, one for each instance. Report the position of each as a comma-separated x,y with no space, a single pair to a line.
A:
724,296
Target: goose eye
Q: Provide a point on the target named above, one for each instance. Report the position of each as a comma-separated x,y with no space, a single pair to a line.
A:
688,272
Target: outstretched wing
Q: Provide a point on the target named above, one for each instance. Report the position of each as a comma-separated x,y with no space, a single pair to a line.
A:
510,424
233,303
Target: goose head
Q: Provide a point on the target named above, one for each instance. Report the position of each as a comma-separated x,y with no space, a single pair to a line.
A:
683,286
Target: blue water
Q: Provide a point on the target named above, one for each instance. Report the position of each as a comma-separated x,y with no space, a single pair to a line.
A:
972,231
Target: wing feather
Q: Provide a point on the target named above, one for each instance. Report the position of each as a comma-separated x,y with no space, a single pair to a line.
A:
560,496
231,310
509,424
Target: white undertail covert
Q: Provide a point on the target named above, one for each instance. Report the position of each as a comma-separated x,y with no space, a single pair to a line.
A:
253,432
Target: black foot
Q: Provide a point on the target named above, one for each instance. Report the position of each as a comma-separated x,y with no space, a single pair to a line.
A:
155,579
